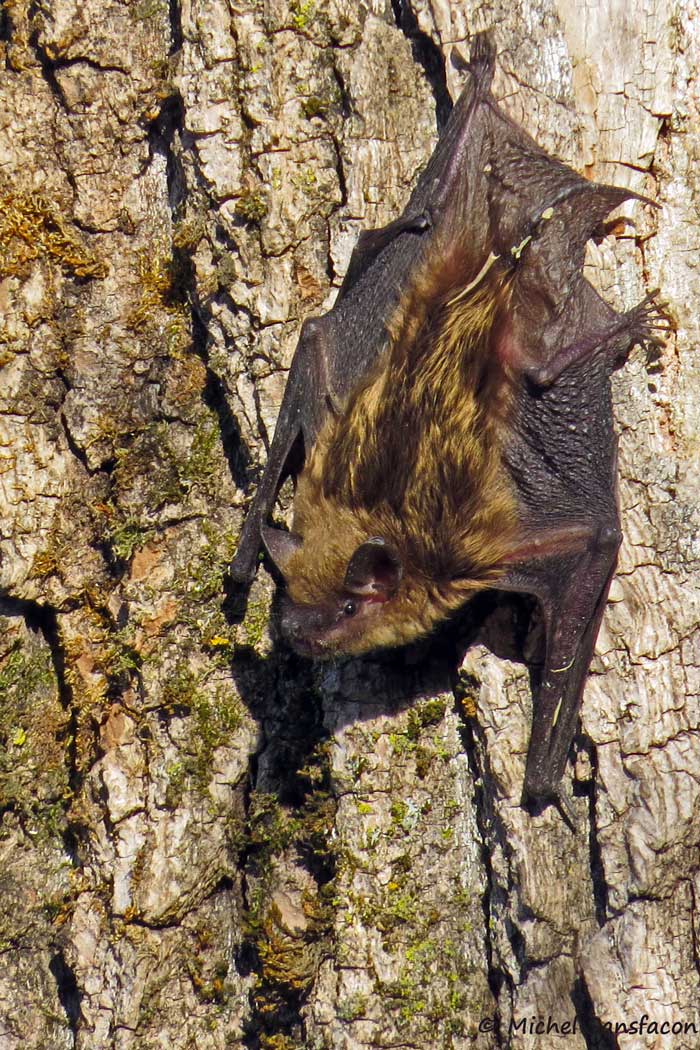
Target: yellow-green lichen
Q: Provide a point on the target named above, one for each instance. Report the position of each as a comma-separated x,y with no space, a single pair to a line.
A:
303,12
128,536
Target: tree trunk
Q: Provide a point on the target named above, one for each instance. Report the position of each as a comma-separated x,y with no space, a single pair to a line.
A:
205,841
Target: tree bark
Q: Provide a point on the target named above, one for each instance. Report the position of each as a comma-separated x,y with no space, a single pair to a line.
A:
205,841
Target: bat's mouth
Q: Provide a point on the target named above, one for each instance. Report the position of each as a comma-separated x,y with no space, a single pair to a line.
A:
310,648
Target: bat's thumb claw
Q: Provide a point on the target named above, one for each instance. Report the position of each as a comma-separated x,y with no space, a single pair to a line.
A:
459,61
242,569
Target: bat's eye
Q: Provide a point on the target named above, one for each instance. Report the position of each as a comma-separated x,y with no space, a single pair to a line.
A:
349,609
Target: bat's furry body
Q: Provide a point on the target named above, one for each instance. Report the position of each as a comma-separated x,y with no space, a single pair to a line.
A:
455,413
415,458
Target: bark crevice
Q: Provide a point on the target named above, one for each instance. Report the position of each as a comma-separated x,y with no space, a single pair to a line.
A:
428,56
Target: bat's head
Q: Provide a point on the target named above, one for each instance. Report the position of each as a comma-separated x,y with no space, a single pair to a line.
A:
361,606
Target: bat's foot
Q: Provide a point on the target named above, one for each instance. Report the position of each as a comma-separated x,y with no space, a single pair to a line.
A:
647,322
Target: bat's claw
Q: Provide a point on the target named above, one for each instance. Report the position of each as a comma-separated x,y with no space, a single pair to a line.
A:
569,814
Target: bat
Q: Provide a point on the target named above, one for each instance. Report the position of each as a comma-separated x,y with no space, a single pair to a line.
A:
449,422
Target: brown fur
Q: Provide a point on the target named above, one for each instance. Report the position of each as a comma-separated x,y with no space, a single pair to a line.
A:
415,458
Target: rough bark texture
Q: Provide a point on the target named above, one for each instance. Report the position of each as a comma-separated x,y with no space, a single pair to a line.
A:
204,841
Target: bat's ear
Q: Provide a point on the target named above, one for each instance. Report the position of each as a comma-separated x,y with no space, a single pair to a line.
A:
280,545
374,570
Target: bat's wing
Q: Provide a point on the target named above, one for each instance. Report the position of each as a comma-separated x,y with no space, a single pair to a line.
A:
569,570
336,351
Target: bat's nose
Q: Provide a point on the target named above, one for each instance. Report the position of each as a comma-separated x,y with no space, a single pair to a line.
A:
300,626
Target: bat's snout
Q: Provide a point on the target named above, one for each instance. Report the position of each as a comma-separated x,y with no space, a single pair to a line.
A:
301,626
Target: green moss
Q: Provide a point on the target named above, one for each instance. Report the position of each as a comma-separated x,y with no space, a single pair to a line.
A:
188,233
150,467
428,713
313,106
205,457
26,673
251,207
122,658
32,227
145,10
353,1008
399,810
177,775
416,996
271,827
424,760
402,743
406,741
215,717
163,280
33,740
255,623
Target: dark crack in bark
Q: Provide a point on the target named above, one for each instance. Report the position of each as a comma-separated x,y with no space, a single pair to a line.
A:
596,1036
44,619
291,816
69,994
485,816
176,34
48,68
598,880
428,56
214,396
694,920
167,136
5,25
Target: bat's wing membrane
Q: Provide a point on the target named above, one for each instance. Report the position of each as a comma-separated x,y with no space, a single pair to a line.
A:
541,214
